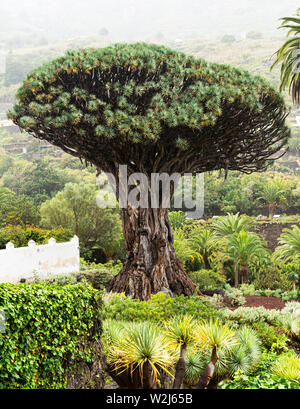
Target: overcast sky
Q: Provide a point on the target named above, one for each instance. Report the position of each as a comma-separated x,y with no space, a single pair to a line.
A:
140,19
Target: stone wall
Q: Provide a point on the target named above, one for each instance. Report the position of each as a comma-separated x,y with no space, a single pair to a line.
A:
271,230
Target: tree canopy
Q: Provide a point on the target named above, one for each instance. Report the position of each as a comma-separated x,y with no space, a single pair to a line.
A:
153,109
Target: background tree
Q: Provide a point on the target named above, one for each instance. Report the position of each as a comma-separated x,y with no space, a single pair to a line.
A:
155,110
75,208
273,193
244,247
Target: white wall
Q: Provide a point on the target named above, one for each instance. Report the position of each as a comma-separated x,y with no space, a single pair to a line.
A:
52,258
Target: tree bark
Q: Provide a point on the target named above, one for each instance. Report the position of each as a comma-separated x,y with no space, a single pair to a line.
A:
180,368
151,264
236,273
209,371
244,273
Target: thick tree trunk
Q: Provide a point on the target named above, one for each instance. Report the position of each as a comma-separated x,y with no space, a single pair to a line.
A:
152,264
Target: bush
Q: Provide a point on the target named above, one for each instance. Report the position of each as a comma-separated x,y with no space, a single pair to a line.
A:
159,308
52,335
247,289
234,296
207,279
272,279
21,235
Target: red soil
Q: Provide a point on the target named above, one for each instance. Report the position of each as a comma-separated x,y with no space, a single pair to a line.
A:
270,303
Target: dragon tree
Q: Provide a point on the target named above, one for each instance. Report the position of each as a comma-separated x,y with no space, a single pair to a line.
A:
154,110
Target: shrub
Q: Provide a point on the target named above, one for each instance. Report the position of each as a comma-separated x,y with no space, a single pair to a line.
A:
247,289
270,338
287,366
159,308
52,334
207,278
21,235
272,279
234,296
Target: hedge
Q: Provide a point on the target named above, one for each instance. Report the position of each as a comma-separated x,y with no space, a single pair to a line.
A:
52,337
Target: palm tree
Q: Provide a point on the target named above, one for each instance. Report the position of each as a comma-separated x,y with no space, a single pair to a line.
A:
288,56
243,247
230,224
273,194
289,241
183,247
205,242
225,226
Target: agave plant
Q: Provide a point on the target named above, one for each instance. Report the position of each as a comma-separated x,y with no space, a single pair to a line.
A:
181,332
288,56
137,353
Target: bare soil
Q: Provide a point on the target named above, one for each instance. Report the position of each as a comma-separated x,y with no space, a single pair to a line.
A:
270,303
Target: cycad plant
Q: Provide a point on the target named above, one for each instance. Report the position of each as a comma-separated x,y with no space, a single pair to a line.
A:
288,56
183,247
230,224
273,193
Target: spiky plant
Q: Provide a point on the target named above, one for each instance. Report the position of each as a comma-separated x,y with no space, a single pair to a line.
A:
244,355
181,332
213,336
139,354
287,366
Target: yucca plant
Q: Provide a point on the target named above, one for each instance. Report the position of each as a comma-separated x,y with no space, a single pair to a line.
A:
288,56
138,355
213,336
181,332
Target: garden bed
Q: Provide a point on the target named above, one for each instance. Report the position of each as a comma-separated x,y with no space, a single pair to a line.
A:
270,303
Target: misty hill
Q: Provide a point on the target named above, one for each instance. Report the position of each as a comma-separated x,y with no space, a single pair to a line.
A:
132,20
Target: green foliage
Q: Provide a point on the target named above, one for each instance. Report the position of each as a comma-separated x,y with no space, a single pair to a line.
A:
21,235
159,308
47,329
147,93
39,179
209,279
233,296
262,378
271,277
287,366
76,209
16,209
269,336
